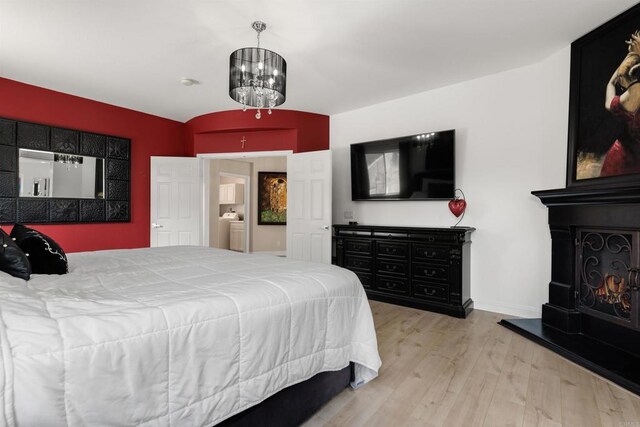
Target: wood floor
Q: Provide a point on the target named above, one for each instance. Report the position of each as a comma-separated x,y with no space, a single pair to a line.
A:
441,371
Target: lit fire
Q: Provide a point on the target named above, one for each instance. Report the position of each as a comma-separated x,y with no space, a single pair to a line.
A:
614,291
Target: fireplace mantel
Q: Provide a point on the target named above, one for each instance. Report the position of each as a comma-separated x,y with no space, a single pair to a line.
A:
588,196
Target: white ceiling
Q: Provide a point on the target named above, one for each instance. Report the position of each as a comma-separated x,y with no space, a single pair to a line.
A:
341,54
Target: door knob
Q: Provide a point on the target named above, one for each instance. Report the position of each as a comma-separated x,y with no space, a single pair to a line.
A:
154,225
325,227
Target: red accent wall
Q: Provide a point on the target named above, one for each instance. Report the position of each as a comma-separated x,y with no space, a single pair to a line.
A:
223,131
150,136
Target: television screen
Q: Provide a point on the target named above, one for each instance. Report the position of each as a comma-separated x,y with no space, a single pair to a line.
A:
416,167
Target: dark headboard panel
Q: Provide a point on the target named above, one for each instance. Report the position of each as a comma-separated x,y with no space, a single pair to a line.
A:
116,205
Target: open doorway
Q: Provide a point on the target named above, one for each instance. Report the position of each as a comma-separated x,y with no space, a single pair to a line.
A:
234,172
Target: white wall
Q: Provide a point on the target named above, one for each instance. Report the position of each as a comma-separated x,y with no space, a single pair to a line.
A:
511,138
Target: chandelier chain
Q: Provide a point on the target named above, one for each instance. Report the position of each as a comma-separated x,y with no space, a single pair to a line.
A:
259,26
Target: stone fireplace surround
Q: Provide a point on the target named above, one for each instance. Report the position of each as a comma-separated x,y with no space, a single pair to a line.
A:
609,347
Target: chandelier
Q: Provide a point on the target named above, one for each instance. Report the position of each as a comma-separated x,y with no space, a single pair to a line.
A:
68,160
257,77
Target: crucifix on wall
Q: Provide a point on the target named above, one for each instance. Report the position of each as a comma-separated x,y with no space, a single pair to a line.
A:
243,140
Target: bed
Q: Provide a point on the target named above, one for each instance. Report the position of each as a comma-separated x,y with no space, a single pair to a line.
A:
174,336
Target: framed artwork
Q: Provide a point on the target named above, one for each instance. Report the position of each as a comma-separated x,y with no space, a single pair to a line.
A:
604,105
272,198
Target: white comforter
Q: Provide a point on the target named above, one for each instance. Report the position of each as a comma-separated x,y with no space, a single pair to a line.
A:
173,336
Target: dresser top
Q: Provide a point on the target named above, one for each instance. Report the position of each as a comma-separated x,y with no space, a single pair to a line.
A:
405,229
455,235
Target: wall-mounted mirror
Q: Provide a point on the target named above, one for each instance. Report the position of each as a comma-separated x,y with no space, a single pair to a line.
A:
49,174
52,175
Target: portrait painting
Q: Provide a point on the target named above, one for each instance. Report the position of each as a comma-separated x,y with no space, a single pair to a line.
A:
604,118
272,198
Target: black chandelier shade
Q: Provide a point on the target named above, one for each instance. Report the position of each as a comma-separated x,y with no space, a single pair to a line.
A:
254,71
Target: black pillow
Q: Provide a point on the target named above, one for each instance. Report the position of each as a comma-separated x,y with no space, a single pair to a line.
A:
45,255
12,259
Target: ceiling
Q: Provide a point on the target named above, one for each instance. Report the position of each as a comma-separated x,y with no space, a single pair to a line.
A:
341,54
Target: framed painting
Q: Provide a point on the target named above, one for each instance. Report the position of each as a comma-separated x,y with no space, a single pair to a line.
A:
272,198
604,105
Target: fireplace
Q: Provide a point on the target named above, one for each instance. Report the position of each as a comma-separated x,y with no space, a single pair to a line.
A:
593,313
605,276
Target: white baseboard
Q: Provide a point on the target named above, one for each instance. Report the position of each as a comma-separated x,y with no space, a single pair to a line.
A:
509,309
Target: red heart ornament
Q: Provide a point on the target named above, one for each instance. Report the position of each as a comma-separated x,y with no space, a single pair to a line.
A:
457,206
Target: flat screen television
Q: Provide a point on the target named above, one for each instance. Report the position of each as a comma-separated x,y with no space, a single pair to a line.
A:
416,167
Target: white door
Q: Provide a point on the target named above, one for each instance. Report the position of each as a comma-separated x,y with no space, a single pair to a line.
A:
309,206
175,201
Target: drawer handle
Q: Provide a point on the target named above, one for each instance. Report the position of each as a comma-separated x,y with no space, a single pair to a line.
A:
430,273
391,285
430,292
429,254
356,247
391,267
391,251
390,236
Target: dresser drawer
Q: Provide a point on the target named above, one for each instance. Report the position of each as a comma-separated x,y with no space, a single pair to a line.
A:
350,232
390,234
392,249
357,246
385,266
426,253
392,285
431,272
365,279
358,263
431,292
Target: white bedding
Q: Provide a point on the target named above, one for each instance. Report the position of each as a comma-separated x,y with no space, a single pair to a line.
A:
180,336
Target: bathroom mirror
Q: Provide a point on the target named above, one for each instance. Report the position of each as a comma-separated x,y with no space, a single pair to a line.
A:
49,174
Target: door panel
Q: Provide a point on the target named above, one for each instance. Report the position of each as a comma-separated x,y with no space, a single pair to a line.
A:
175,201
309,206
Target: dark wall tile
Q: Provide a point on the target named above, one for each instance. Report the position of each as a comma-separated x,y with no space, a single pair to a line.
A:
92,144
118,148
8,184
7,132
117,211
7,211
64,210
117,169
8,158
32,136
92,211
65,141
117,190
33,210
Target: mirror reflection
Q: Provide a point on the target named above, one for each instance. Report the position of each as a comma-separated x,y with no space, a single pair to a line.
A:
47,174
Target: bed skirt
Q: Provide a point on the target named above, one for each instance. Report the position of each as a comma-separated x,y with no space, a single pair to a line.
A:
296,404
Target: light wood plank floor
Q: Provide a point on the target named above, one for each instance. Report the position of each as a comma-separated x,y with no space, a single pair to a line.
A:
441,371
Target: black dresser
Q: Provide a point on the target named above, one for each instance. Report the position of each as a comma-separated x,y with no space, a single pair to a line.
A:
426,268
